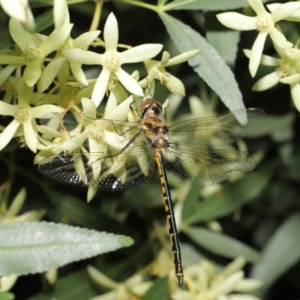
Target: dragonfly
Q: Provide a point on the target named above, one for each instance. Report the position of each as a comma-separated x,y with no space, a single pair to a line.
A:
117,155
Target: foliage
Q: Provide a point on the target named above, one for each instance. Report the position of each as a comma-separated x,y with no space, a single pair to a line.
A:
73,75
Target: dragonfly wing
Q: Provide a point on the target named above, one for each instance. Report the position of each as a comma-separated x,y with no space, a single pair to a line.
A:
72,129
114,155
197,166
116,172
216,130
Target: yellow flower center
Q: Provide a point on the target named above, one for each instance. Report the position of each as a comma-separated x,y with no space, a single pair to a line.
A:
162,75
68,44
31,53
264,22
112,61
22,114
286,70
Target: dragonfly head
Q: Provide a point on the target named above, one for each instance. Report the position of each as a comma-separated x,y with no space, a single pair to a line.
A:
150,107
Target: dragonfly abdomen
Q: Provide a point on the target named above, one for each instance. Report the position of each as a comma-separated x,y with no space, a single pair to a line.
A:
173,234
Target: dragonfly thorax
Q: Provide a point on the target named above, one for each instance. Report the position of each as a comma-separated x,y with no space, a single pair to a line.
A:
155,127
150,107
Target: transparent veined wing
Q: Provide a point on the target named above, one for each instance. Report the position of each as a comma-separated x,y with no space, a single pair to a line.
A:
113,155
218,130
195,155
203,167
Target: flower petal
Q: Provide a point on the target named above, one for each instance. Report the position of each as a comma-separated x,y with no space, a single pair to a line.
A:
29,24
284,11
111,33
293,54
111,104
100,87
5,73
83,56
15,9
89,108
227,285
21,37
265,60
30,135
279,39
295,91
292,79
32,72
294,17
11,60
174,85
129,83
8,133
256,52
86,39
237,21
78,73
266,82
61,14
94,161
56,39
257,6
140,53
121,111
183,57
49,73
7,109
39,111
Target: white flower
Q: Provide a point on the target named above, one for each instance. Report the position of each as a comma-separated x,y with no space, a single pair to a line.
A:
111,60
19,10
264,23
287,72
24,115
132,286
35,49
157,69
204,282
61,20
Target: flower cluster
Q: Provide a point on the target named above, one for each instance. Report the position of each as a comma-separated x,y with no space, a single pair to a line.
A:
203,281
45,87
287,68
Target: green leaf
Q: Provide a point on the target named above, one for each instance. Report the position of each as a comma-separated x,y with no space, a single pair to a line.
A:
159,290
151,198
44,20
233,195
279,127
190,202
6,296
77,285
5,40
39,246
207,4
226,43
82,213
281,252
208,63
221,244
224,40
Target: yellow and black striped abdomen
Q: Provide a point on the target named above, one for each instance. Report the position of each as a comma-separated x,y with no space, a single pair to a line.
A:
170,218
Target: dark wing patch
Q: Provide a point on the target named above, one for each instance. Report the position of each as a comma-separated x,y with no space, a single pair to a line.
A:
116,172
